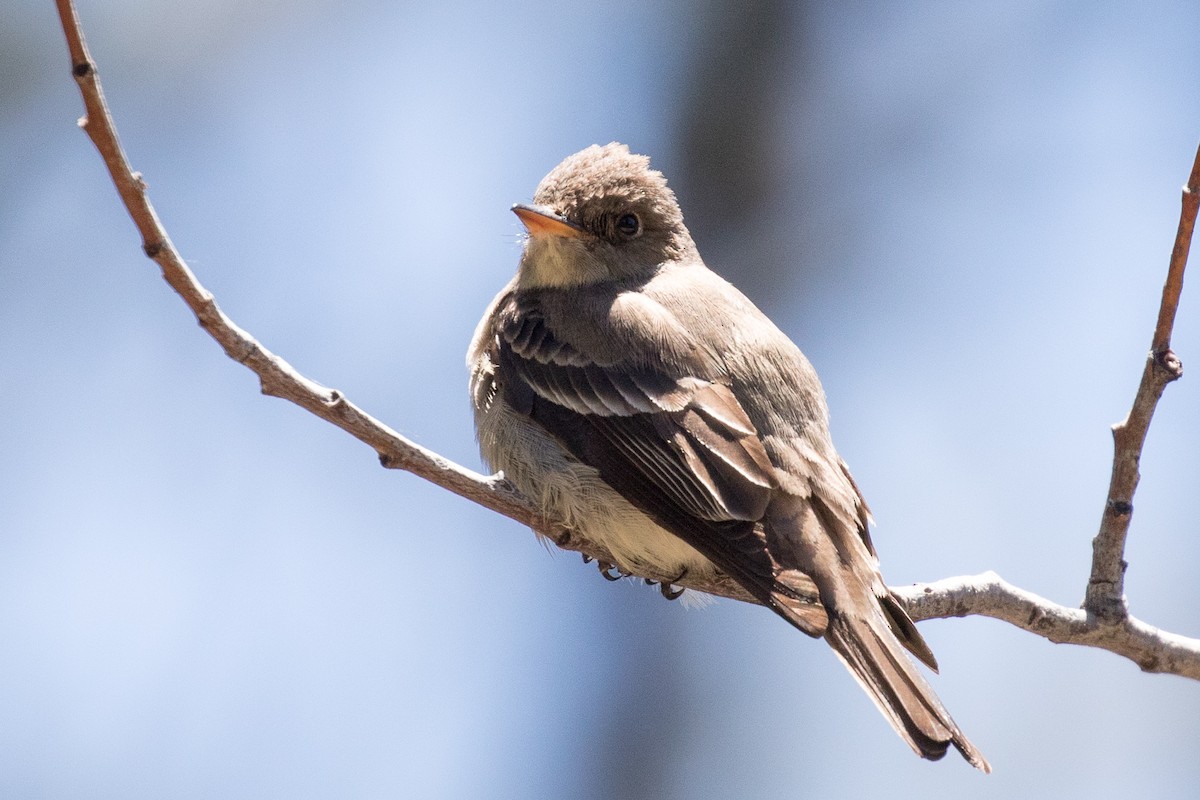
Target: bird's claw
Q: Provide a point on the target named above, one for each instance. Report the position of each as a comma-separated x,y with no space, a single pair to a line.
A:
669,591
606,571
667,588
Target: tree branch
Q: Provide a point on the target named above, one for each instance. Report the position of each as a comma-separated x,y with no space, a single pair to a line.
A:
1105,596
985,595
989,595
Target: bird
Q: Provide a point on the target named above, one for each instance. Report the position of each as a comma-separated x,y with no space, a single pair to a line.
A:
643,402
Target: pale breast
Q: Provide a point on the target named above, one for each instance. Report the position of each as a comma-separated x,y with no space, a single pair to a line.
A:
568,490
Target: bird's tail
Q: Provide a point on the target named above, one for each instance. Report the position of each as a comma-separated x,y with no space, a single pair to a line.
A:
873,654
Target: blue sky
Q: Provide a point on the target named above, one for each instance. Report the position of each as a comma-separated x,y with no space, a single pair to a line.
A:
206,592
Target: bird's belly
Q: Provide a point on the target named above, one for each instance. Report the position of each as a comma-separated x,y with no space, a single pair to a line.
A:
573,493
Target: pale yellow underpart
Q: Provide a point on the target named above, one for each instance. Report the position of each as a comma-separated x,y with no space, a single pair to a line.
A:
558,261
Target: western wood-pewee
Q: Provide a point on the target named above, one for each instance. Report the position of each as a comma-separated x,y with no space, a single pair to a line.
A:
648,405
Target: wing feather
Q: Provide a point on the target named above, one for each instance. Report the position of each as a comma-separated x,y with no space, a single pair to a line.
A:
678,447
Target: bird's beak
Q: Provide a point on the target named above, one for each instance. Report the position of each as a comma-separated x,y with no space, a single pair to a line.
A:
542,221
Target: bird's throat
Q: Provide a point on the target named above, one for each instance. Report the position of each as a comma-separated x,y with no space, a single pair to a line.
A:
557,262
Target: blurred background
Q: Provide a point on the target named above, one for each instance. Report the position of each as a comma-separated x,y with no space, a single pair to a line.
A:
961,212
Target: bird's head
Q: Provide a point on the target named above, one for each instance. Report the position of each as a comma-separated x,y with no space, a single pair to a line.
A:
600,215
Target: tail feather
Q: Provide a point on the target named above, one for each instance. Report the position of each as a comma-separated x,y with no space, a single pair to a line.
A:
873,654
866,626
904,629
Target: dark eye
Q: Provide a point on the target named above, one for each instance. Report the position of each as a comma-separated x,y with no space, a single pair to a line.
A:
628,225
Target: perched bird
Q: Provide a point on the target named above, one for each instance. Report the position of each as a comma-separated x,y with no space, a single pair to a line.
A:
648,405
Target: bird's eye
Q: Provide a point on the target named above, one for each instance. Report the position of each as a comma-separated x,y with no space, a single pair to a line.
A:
628,225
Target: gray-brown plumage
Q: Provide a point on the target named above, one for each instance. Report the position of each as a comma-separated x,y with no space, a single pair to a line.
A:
648,404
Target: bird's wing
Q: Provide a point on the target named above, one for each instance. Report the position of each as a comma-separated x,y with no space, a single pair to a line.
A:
681,449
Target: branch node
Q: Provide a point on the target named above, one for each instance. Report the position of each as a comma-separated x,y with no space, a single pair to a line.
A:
1151,663
1104,607
1035,616
83,69
152,249
1167,361
242,355
1120,508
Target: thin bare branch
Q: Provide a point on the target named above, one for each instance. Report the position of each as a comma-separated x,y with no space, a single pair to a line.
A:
990,595
277,377
1105,596
984,595
1179,256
